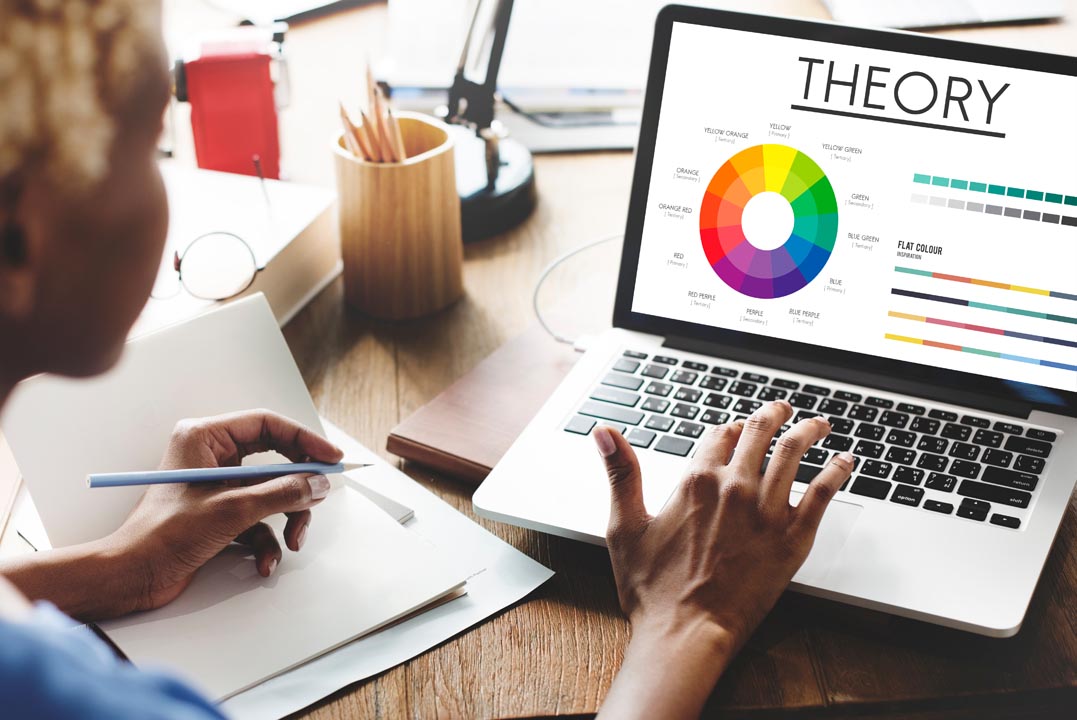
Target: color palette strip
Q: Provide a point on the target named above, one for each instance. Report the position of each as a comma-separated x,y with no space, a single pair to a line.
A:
979,351
983,329
992,209
984,306
986,283
991,189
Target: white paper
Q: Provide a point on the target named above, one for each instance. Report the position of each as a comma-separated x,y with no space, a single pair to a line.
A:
509,577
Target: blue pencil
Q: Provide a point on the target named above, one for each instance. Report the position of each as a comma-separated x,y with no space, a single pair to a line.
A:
217,474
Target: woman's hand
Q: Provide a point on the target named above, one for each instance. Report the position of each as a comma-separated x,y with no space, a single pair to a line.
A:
175,529
697,579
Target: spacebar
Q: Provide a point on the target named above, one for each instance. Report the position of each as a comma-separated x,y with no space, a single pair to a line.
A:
611,412
805,473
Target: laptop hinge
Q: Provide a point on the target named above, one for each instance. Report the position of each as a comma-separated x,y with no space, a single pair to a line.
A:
1001,406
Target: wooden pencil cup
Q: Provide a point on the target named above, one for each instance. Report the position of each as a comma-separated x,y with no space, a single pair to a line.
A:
400,225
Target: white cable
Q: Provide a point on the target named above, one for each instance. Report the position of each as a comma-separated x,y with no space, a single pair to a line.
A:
546,273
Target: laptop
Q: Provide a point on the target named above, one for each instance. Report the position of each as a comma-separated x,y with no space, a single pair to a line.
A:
880,228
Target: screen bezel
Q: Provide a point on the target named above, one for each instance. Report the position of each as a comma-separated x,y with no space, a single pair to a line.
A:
715,339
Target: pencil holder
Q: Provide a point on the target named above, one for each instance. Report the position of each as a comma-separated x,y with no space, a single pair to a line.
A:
400,225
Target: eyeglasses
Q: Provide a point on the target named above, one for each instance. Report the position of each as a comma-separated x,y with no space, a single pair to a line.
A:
215,266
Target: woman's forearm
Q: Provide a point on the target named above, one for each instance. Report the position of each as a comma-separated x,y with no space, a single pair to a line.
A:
669,671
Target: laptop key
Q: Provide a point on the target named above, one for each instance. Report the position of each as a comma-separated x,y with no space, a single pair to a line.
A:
803,401
871,487
998,458
911,409
901,456
877,469
747,406
641,438
636,354
894,419
674,445
939,507
718,401
606,411
908,475
626,366
772,393
654,404
626,382
1011,478
786,384
804,415
988,438
1008,428
754,377
879,402
869,431
941,482
964,451
655,371
743,389
665,360
684,410
1005,521
907,495
842,426
612,395
713,382
684,377
1027,446
952,431
863,412
925,425
616,426
868,449
972,513
659,422
901,438
580,425
688,429
692,365
816,456
688,394
723,371
816,390
974,421
928,461
830,406
1028,464
965,469
839,443
994,493
1045,435
848,396
932,445
944,415
657,388
714,417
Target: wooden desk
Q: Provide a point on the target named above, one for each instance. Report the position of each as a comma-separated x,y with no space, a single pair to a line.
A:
556,652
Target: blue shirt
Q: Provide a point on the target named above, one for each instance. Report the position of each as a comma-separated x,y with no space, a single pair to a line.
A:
50,668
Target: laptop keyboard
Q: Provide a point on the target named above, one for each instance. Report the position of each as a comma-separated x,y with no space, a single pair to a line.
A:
912,454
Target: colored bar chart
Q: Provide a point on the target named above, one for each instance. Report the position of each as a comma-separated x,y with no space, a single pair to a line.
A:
1008,191
1057,208
979,351
987,283
984,306
983,329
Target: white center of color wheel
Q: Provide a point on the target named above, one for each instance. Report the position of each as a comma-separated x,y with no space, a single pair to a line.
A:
767,220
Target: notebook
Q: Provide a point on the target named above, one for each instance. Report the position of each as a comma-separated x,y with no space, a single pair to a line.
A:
231,629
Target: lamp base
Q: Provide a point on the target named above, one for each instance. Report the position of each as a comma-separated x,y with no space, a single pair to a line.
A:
486,211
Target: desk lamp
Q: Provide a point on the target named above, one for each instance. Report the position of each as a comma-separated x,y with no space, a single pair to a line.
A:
494,174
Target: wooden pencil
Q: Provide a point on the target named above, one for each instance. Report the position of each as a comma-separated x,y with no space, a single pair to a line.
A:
388,155
370,131
351,139
397,137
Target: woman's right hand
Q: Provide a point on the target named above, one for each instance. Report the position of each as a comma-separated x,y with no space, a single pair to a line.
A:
696,579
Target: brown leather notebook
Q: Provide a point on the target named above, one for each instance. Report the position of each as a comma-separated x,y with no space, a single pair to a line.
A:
466,429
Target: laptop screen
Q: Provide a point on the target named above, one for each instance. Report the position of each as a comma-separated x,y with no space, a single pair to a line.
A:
904,206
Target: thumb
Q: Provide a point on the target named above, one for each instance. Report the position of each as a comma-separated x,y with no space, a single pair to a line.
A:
627,511
290,493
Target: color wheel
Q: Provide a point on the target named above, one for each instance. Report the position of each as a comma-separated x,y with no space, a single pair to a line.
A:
785,269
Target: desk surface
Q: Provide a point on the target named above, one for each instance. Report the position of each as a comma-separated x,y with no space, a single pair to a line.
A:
557,652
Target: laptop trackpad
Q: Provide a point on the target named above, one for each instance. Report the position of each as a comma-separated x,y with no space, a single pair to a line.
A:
834,530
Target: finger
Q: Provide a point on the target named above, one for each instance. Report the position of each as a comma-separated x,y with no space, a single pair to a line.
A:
287,494
785,460
716,446
295,530
627,511
257,431
263,541
809,513
759,430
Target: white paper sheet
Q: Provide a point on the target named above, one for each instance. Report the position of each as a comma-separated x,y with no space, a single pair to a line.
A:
509,577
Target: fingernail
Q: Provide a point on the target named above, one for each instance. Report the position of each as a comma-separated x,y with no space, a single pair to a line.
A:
784,403
845,457
272,565
319,486
823,420
301,537
605,442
